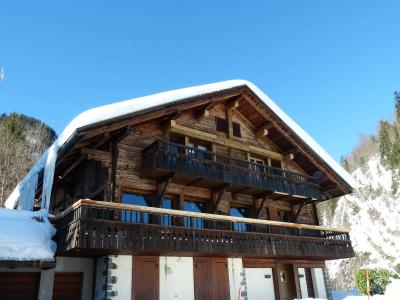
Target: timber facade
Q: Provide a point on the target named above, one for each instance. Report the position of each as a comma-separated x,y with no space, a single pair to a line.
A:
210,197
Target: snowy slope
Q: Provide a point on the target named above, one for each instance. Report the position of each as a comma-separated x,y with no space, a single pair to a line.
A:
372,213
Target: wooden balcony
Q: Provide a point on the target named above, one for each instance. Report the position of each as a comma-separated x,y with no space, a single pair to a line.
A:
207,169
94,228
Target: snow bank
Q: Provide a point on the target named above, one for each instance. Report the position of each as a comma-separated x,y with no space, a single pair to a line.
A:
392,293
26,235
393,289
22,193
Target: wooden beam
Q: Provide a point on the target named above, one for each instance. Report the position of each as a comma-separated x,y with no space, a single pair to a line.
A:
263,130
261,206
220,195
97,154
72,167
290,154
201,113
234,194
231,105
113,173
171,118
197,180
204,111
298,211
262,195
96,192
162,189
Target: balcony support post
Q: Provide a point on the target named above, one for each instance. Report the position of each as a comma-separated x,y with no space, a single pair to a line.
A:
162,186
306,202
219,195
261,206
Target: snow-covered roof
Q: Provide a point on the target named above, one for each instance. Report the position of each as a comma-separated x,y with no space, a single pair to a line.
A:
24,192
23,238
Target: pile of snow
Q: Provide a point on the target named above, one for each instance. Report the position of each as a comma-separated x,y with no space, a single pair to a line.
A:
392,293
22,194
372,213
26,236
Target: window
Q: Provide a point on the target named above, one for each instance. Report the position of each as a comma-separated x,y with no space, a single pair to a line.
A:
194,207
200,150
134,216
241,213
257,164
178,140
221,125
236,130
166,219
276,163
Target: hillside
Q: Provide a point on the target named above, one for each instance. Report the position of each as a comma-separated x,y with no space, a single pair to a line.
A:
22,140
372,212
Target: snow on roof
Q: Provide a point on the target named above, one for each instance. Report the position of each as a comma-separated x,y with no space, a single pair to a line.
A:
23,238
23,192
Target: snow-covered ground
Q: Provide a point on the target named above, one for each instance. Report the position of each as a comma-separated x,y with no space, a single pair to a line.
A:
26,235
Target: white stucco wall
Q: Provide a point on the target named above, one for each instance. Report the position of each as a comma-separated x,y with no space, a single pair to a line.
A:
303,283
122,272
318,283
176,278
235,271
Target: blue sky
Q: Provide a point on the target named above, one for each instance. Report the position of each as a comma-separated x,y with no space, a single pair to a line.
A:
331,65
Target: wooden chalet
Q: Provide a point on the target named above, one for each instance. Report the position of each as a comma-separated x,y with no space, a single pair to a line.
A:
209,195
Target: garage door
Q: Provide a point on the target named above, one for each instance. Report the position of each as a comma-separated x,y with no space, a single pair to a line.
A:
146,278
19,285
211,279
67,286
260,284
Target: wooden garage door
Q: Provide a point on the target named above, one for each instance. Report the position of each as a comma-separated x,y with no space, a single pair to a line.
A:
19,285
145,284
211,279
67,285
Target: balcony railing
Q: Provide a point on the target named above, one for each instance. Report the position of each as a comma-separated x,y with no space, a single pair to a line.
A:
164,156
93,228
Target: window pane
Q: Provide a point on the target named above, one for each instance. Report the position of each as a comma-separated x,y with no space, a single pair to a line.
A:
167,203
191,221
236,130
241,213
221,125
134,199
166,219
134,216
236,212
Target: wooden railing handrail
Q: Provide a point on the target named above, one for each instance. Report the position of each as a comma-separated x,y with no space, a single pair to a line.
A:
182,213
